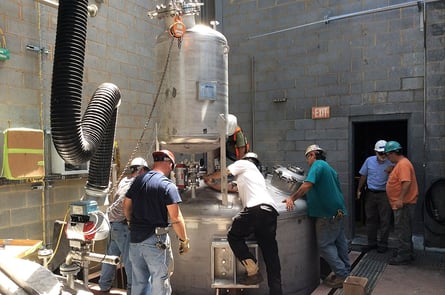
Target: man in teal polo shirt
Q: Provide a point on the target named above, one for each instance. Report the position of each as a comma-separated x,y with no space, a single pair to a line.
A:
325,203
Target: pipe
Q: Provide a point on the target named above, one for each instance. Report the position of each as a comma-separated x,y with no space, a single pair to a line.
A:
49,3
5,291
90,256
222,123
41,110
92,9
327,19
253,88
425,85
18,281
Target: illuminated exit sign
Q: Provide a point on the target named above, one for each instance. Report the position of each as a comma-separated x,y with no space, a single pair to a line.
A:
321,112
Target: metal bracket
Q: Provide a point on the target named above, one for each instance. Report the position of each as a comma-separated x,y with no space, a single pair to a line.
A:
36,48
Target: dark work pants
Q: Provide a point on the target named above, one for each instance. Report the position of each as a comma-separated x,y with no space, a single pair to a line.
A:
261,221
378,216
403,228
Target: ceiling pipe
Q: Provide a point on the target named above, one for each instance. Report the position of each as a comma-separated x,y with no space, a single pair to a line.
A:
92,8
328,19
50,3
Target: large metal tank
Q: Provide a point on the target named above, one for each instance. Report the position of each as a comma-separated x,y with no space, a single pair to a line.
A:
195,90
207,222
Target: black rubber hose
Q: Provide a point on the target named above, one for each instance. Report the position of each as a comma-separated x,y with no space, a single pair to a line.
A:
434,207
80,139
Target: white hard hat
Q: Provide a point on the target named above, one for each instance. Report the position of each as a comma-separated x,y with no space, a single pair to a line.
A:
313,147
250,155
232,123
380,146
139,162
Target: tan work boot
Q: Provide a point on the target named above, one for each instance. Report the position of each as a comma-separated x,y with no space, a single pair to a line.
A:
253,277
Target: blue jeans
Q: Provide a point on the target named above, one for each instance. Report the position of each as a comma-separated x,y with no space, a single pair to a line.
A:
118,245
333,245
151,266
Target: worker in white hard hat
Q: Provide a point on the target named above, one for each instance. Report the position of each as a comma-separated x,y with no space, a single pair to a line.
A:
152,206
374,175
326,205
236,144
259,217
119,241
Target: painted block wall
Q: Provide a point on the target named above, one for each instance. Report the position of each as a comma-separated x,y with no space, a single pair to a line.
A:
119,49
367,66
286,58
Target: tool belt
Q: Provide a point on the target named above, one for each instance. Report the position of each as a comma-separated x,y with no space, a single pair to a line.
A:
339,214
159,231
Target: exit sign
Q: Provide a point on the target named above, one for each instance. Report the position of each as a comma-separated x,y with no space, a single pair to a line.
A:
321,112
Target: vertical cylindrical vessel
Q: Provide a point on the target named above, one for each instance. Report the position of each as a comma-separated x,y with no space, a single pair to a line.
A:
208,220
195,89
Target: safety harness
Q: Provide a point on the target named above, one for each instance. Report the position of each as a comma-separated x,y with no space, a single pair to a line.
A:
232,141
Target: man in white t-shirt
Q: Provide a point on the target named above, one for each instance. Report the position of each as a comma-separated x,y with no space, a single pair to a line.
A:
259,217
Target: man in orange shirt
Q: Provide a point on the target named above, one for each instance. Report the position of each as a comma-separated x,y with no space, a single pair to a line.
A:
402,191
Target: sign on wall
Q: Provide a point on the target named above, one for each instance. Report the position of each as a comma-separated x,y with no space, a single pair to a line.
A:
321,112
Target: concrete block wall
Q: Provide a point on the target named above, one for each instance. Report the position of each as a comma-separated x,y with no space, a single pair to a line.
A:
120,40
371,65
29,210
356,66
119,49
435,90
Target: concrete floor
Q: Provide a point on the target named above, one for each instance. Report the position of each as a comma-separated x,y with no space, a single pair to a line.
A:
424,276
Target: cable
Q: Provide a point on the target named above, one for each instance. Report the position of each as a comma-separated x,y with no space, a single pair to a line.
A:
138,143
59,238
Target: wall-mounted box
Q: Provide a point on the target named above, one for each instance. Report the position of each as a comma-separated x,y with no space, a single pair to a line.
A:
226,268
59,166
23,153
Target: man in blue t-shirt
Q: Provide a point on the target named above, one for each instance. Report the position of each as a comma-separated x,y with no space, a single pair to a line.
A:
374,173
325,203
149,203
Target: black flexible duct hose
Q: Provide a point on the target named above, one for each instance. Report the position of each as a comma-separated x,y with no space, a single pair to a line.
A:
433,206
77,139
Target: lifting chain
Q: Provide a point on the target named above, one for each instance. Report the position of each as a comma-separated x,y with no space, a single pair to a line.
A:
138,143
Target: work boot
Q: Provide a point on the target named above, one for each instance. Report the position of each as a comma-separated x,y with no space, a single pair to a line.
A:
369,247
253,277
334,281
382,249
400,260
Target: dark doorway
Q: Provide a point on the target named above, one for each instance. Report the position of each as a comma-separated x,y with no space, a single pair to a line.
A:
365,135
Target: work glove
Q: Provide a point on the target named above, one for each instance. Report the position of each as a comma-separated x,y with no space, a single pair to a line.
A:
184,246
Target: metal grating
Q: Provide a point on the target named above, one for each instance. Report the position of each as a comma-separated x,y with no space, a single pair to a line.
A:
372,264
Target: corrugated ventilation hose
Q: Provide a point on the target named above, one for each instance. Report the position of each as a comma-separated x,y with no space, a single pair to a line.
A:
89,138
